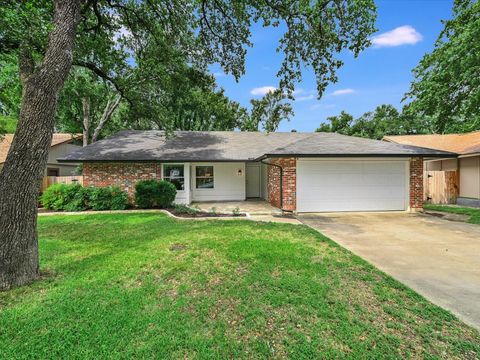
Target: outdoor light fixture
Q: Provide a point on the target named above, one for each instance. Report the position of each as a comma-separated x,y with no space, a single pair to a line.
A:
239,172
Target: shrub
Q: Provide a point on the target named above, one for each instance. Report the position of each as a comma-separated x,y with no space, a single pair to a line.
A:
74,197
81,200
154,193
184,209
58,196
108,198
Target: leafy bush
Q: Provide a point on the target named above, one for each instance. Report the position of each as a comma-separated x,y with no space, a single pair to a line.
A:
58,196
108,198
154,193
74,197
81,200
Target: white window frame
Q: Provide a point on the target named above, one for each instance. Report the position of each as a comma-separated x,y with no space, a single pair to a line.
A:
168,177
204,177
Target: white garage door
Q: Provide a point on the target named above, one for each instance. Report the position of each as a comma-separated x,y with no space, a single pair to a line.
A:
351,185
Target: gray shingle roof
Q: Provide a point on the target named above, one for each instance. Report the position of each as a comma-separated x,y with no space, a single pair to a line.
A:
236,146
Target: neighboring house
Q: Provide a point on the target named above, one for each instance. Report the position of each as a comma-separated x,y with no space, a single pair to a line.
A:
466,146
303,172
62,145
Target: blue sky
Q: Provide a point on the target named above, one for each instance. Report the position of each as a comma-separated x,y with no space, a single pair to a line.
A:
380,75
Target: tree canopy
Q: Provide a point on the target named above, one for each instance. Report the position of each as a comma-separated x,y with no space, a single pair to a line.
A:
384,120
111,38
447,82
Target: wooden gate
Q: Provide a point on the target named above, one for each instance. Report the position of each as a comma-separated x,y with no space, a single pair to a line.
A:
440,187
50,180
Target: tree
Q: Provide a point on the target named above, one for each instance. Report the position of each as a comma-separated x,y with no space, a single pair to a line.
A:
267,112
384,120
447,83
339,124
109,37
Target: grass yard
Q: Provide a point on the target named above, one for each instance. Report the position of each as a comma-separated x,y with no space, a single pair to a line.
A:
472,212
148,286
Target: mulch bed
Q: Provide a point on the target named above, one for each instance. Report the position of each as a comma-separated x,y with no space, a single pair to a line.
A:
202,214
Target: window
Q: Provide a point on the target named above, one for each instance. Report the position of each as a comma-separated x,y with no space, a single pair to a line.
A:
52,171
204,177
174,174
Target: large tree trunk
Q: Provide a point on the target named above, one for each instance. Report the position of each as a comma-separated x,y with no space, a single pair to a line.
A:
25,164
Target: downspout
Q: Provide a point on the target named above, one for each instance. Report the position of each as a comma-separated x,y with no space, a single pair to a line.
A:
281,181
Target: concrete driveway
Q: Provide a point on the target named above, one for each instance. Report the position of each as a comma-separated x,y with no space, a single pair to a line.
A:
439,259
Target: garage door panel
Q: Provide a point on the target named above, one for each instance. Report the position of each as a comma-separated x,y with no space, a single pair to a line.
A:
356,185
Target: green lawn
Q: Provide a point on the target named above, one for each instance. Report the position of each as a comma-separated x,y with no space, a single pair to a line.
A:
148,286
472,212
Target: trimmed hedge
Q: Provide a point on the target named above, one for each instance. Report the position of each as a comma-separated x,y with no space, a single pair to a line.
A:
74,197
154,194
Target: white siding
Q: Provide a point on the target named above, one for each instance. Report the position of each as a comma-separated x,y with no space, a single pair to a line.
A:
228,184
352,185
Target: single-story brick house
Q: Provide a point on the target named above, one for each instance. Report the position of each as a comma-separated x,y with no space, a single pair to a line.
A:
303,172
466,146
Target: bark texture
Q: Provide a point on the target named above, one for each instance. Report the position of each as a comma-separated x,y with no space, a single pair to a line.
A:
25,164
86,120
107,113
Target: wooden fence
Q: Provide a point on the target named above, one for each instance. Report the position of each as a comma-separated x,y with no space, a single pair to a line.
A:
440,187
50,180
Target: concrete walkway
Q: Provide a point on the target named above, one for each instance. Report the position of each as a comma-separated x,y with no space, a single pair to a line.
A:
439,259
251,206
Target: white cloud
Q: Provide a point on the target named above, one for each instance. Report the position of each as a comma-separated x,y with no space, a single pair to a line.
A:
343,92
318,106
402,35
263,90
305,98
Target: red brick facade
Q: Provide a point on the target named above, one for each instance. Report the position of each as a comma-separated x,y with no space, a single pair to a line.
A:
124,174
289,187
416,183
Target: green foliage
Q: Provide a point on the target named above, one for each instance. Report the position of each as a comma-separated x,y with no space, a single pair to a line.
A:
108,198
185,209
236,211
130,49
8,124
384,120
58,196
154,193
268,112
447,85
213,210
74,197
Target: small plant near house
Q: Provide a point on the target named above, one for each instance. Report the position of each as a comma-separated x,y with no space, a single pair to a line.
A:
213,210
184,209
154,194
236,211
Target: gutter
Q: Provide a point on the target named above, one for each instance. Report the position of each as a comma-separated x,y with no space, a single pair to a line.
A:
281,181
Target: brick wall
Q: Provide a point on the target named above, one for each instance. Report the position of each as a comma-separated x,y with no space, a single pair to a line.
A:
416,183
124,174
289,166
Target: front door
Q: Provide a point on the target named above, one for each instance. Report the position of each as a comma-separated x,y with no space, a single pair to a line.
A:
253,180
